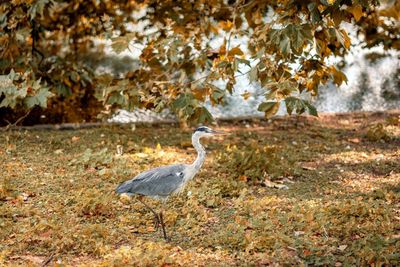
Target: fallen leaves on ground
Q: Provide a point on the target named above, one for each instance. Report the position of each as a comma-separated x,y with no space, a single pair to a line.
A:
57,199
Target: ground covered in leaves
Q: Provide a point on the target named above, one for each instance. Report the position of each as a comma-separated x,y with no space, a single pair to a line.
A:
289,191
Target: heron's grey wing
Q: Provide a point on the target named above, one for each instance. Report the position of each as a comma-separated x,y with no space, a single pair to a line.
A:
161,181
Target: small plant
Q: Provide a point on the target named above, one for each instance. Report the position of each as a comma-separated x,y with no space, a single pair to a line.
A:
94,159
5,188
94,204
253,163
394,120
378,132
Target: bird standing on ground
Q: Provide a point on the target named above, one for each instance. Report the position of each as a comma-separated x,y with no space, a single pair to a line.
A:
161,182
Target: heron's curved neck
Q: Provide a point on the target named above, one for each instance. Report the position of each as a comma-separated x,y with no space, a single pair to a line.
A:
201,153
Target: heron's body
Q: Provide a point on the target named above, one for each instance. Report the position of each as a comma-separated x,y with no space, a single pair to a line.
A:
161,182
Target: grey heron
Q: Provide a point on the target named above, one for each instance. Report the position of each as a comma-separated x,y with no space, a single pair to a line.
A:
161,182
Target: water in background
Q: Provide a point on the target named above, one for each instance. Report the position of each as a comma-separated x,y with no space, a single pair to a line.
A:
373,85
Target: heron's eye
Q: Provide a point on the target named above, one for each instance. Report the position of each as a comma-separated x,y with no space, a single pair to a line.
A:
202,129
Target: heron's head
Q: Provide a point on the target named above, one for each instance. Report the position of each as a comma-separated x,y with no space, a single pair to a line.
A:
204,131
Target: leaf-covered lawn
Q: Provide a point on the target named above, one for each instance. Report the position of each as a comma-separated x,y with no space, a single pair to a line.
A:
342,205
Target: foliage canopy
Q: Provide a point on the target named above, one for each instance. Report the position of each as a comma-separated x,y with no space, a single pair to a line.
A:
46,47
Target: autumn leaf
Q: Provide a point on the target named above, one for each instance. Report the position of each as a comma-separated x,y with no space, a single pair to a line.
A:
226,25
243,178
346,39
338,76
285,45
120,44
246,95
243,61
269,108
356,11
235,51
175,50
253,74
201,115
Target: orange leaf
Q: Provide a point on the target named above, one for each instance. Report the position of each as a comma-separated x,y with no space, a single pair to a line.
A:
226,25
346,38
235,51
243,178
356,10
222,48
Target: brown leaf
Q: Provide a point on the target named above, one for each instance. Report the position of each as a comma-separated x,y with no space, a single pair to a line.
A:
243,178
46,234
246,95
306,252
235,51
338,76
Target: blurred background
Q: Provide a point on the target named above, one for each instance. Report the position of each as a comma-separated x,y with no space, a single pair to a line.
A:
126,61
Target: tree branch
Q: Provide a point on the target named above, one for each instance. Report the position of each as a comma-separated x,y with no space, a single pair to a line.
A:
10,125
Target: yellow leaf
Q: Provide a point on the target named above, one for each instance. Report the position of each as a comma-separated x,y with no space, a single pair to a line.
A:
346,38
125,199
311,84
200,93
338,76
392,11
222,48
213,29
246,95
257,17
67,82
356,10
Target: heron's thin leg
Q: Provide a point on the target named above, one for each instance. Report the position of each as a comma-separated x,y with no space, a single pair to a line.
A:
163,226
156,217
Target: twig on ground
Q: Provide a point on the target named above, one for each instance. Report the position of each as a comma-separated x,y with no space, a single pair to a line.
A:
48,260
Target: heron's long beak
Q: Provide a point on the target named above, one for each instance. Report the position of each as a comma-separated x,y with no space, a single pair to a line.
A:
219,132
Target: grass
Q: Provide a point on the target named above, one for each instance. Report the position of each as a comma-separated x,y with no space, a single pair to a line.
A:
341,207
